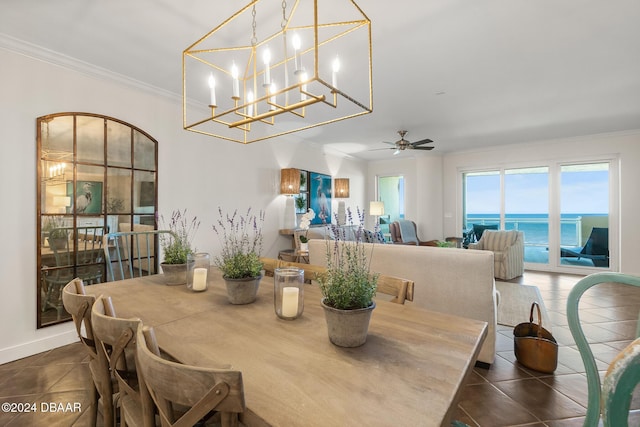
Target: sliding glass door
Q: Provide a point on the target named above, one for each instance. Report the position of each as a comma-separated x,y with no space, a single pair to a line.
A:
562,208
584,214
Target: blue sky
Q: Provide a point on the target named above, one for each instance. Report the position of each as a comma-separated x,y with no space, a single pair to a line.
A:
582,192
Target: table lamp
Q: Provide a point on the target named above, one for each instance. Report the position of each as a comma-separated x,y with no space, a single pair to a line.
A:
289,186
341,191
376,209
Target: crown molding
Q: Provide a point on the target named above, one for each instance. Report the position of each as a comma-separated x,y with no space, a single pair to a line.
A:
40,53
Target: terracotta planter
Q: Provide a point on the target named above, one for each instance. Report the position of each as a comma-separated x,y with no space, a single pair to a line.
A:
348,328
174,274
242,291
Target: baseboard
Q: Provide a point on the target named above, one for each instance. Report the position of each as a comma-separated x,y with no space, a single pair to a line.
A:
20,351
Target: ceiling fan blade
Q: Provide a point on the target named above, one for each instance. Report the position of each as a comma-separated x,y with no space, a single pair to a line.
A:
390,143
396,152
378,149
422,148
424,141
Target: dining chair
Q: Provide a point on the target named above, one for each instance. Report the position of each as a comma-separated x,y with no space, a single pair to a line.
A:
401,289
77,252
201,389
78,304
624,372
116,340
311,271
132,253
269,265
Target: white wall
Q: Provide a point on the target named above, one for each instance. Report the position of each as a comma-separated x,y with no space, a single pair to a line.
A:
423,190
195,172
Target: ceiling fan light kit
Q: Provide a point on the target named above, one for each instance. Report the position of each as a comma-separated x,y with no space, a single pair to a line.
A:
266,72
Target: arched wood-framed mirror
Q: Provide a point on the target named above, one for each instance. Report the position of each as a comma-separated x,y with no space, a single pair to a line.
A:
95,174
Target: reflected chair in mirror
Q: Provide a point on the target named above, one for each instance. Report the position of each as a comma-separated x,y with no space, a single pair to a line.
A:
400,289
404,232
74,252
132,253
116,340
78,304
201,389
616,390
596,249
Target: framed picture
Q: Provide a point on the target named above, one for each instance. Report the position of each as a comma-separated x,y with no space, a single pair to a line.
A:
88,199
320,197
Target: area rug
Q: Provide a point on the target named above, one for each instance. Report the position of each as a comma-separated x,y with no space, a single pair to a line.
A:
515,304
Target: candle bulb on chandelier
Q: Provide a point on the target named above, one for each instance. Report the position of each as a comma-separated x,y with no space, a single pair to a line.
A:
266,58
272,99
303,89
236,84
212,89
250,102
334,75
297,43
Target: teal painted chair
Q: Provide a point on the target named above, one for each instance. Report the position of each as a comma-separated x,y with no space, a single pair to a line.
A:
613,397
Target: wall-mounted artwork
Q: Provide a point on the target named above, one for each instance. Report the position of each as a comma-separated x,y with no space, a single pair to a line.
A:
88,198
320,197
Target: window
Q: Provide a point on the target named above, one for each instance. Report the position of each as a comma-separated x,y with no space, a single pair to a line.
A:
562,208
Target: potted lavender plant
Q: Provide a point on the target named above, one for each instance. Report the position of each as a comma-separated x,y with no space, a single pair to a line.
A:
239,260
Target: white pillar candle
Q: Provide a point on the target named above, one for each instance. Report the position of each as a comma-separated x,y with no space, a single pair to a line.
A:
236,84
336,69
212,89
199,279
290,301
297,44
266,57
250,102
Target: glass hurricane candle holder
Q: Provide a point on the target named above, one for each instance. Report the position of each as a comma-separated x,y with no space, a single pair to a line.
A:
198,271
288,292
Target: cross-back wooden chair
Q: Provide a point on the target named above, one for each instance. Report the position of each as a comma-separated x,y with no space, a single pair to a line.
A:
116,339
200,389
311,271
400,289
78,304
270,265
612,398
133,253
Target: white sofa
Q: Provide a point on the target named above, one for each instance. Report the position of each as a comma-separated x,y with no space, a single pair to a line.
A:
448,280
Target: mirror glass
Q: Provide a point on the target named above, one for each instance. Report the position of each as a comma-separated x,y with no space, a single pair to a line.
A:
96,174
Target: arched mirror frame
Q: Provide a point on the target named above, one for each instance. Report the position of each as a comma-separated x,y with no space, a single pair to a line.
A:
95,173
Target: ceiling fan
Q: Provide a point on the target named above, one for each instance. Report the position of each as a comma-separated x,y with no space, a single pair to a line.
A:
402,144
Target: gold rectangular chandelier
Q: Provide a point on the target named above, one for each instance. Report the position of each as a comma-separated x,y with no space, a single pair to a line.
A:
272,69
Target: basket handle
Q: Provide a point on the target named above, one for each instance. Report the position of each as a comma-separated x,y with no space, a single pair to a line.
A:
536,306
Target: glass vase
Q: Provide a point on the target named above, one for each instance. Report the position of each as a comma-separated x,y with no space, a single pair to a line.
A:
198,271
288,292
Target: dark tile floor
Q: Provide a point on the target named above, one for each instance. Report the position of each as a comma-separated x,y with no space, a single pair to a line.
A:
504,395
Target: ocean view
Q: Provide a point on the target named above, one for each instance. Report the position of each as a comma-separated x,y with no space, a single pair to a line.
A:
536,226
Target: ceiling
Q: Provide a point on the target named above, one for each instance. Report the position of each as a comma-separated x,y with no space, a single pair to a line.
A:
466,74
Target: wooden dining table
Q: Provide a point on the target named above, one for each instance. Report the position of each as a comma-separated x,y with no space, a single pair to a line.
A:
410,371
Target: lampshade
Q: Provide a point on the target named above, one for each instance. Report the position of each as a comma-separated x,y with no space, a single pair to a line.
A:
289,181
376,208
341,186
